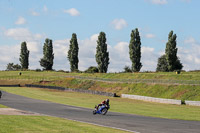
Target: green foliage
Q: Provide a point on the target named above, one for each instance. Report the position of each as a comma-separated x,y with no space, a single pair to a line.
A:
127,69
38,70
73,53
162,65
171,53
13,67
178,65
102,56
47,61
135,50
92,69
24,56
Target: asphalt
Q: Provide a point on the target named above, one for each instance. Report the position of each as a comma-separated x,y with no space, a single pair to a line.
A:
128,122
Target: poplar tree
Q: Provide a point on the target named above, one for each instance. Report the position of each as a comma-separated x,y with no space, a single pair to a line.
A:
135,50
24,56
73,53
173,61
47,61
102,56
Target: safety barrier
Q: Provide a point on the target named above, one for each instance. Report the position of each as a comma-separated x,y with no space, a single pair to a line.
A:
47,87
74,90
152,99
18,85
192,103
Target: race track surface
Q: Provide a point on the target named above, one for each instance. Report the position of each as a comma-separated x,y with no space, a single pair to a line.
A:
129,122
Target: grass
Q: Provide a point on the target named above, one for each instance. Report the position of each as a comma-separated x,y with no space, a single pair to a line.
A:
129,106
2,106
52,78
52,75
181,92
45,124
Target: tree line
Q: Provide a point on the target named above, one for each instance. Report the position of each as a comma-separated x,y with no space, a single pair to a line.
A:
166,63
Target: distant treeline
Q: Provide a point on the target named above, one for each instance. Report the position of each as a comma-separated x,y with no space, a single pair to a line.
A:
166,63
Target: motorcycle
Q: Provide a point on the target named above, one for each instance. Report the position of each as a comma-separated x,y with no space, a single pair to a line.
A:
101,110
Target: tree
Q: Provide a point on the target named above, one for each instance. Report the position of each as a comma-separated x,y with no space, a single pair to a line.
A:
92,69
171,53
102,56
178,64
73,53
162,65
24,56
135,50
127,69
13,67
47,61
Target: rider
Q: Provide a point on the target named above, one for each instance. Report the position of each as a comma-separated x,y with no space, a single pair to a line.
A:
104,103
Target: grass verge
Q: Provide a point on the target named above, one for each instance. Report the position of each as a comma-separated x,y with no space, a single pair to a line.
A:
129,106
2,106
46,124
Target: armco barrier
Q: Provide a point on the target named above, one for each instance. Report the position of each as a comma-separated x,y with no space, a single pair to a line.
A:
74,90
47,87
152,99
193,103
18,85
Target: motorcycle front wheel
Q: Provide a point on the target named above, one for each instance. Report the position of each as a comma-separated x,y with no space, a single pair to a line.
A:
104,111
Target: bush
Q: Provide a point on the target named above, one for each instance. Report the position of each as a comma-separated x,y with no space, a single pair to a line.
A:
13,67
60,71
92,69
127,69
38,70
162,65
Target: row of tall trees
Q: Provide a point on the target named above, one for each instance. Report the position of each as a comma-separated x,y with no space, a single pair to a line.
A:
167,62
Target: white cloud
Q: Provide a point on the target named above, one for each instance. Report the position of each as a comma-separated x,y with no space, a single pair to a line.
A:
189,40
189,54
20,21
45,9
94,37
22,34
72,12
149,59
7,51
150,36
159,2
119,24
34,13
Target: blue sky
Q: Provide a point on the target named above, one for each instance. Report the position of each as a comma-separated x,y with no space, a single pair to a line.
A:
34,20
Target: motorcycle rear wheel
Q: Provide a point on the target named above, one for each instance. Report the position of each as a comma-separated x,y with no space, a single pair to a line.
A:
94,112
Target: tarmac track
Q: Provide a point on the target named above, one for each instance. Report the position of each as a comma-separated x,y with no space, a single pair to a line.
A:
127,122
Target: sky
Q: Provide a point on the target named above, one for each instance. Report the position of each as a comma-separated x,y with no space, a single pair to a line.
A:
35,20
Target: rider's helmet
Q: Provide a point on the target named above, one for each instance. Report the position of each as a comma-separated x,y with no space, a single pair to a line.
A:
107,100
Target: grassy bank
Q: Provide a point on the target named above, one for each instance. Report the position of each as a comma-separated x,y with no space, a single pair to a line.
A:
44,124
171,91
117,104
181,92
52,75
